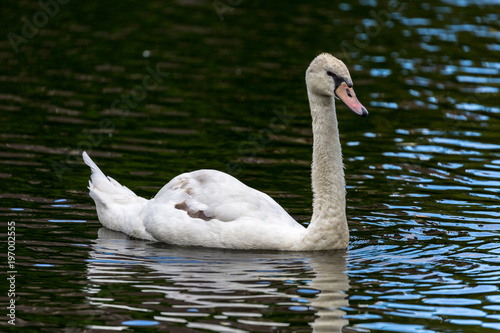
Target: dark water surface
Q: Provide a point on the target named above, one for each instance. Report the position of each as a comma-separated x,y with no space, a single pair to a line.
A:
152,89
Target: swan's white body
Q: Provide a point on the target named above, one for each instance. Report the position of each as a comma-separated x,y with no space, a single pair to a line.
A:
213,209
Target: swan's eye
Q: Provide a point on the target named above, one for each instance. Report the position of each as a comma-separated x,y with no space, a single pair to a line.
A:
336,79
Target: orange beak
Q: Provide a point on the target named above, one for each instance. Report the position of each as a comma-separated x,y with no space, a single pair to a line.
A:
347,95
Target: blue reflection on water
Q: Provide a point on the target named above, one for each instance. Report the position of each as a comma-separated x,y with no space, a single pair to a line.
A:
140,323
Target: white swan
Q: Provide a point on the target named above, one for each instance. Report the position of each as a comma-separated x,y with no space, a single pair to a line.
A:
213,209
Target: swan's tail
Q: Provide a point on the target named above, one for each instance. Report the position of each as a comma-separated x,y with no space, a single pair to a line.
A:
118,207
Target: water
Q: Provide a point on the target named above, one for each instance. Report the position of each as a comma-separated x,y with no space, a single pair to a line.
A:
152,89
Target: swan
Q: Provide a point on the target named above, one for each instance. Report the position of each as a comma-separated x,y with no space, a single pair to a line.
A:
210,208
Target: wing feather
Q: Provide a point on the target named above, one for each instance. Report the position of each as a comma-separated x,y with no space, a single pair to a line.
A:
210,194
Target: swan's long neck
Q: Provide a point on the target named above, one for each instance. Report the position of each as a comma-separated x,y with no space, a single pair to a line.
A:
328,228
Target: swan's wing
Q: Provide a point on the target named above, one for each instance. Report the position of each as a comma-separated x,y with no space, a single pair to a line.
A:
213,195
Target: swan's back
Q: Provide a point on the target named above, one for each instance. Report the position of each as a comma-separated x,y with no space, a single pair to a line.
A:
212,208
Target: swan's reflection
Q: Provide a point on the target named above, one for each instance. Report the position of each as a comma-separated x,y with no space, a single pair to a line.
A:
243,287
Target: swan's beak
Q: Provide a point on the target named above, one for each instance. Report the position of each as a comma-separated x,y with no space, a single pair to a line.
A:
348,96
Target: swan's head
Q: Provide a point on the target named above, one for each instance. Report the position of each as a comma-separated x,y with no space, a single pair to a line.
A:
328,76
